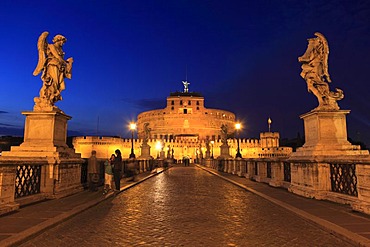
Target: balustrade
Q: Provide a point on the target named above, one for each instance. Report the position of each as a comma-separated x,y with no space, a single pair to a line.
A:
343,179
27,180
338,182
287,174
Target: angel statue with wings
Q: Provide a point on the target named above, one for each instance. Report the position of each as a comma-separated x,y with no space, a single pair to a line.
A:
54,69
315,72
224,133
147,131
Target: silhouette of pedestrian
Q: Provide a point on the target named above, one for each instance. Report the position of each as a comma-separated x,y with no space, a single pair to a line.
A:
93,171
108,174
117,169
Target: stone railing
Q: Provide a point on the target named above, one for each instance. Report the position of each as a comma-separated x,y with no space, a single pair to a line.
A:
28,181
25,181
345,182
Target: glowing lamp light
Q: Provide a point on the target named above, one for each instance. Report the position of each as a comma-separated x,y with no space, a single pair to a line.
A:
132,126
238,126
158,146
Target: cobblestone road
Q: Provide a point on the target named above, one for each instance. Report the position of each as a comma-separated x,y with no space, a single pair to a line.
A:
186,206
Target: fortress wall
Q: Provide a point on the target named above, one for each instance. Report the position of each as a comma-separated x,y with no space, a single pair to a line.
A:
105,146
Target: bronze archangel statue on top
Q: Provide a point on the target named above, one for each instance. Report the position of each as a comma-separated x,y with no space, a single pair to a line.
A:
54,69
315,72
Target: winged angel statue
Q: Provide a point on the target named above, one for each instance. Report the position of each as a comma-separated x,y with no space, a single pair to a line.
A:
224,133
147,131
54,69
315,72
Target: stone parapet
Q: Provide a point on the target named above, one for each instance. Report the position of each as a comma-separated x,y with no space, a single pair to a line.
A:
45,148
363,188
7,188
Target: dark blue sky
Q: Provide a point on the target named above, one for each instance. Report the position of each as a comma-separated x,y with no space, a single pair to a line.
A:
129,55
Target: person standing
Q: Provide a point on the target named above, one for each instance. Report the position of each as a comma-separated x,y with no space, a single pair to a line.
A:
117,169
108,174
93,171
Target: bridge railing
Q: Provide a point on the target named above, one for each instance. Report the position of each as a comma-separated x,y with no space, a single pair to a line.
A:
345,182
25,181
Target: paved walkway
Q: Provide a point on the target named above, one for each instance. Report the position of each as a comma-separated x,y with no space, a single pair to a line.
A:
338,219
17,227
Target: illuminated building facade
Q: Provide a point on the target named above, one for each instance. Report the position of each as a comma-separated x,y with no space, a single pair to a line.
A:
185,117
181,130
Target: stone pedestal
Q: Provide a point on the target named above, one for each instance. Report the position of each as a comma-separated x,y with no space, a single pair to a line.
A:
326,144
161,155
145,151
225,151
45,129
208,154
44,143
326,135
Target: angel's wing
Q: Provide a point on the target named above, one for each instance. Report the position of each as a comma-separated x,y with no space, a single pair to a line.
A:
325,56
41,46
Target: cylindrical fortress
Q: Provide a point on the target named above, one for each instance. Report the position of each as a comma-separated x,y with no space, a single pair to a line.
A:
185,117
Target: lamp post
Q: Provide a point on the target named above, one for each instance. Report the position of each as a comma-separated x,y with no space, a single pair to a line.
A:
238,127
212,143
132,128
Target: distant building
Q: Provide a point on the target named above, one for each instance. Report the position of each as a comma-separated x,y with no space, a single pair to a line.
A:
185,117
181,129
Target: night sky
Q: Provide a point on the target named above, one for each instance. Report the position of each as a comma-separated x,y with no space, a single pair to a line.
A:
241,55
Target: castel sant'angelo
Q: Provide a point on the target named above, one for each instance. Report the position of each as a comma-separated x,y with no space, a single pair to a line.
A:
184,128
185,118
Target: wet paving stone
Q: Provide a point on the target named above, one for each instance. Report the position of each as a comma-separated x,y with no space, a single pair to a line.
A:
186,206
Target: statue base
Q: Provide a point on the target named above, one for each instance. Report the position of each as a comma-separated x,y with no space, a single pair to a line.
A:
326,146
224,151
45,130
44,144
145,151
326,135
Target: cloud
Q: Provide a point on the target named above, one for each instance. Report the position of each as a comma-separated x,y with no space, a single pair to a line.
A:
8,125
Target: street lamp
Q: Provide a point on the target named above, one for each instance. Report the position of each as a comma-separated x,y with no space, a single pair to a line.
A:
212,143
158,146
132,128
238,127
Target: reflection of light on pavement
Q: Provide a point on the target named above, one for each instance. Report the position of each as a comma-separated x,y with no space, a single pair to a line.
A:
159,195
230,206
